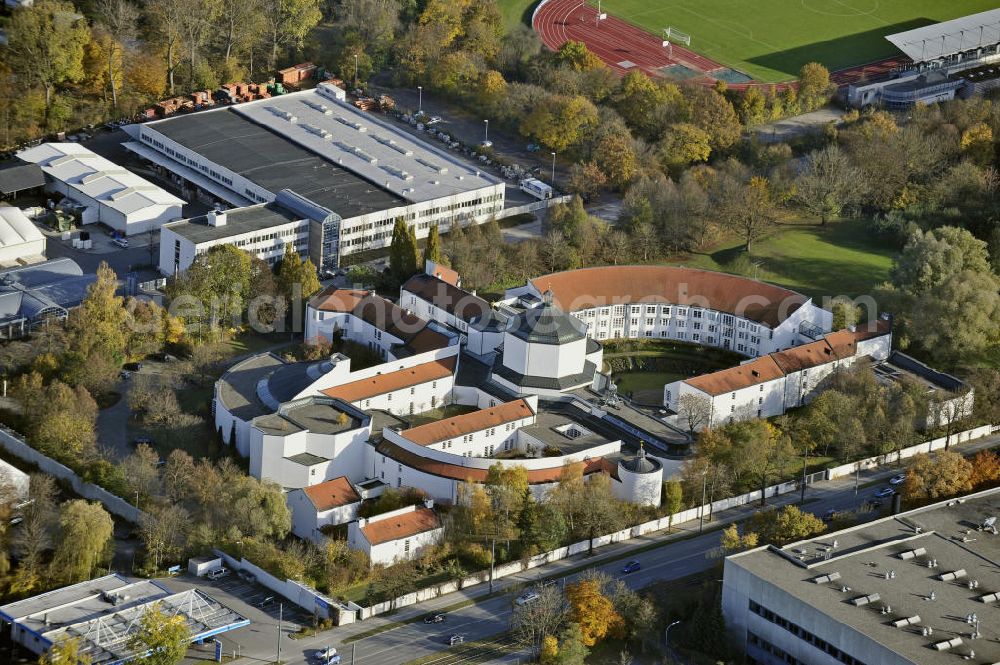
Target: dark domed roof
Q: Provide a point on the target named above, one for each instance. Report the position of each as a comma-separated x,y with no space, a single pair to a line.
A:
547,324
641,464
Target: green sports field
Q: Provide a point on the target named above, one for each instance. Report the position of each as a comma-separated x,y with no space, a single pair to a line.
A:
771,39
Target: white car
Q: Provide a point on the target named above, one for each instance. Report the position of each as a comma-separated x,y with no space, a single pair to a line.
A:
435,119
217,573
898,479
527,597
120,242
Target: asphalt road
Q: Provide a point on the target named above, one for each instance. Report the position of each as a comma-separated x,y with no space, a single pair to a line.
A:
663,557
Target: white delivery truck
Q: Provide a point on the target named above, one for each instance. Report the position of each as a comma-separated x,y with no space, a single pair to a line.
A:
536,188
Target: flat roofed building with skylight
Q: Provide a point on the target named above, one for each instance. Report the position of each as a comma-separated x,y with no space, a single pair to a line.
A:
358,169
917,588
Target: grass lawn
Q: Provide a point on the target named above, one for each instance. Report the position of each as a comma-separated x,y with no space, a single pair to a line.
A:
645,387
841,258
516,11
771,39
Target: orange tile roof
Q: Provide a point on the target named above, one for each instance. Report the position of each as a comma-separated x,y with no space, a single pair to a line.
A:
805,356
445,274
600,287
392,381
476,421
332,494
465,473
742,376
400,526
332,299
383,314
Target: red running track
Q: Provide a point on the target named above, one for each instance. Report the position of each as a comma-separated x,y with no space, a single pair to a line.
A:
613,40
617,43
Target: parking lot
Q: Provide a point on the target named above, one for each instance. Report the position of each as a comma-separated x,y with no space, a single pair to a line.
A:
258,641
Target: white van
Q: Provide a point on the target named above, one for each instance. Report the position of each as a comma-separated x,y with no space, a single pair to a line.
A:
217,573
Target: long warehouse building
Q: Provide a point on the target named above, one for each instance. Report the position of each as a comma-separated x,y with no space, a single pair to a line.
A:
353,174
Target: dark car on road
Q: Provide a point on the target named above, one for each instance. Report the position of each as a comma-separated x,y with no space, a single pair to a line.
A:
631,567
434,618
884,492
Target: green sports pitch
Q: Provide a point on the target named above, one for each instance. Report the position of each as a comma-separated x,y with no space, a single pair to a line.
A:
771,39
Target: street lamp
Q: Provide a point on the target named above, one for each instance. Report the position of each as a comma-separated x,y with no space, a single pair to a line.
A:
701,513
805,457
355,71
420,100
486,136
553,168
666,635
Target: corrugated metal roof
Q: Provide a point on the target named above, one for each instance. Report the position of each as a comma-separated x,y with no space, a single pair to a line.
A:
949,37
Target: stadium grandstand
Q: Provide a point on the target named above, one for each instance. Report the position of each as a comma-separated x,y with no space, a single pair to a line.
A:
957,58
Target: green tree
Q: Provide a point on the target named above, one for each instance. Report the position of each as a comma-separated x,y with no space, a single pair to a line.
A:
506,487
683,144
778,527
928,478
815,88
86,536
714,114
673,499
578,56
829,183
162,638
542,527
100,324
746,208
572,650
65,652
732,541
213,292
930,259
288,22
432,250
560,121
46,44
403,254
297,279
764,452
752,107
616,158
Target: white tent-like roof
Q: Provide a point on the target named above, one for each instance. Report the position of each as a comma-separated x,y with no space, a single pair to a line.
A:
98,178
16,229
944,39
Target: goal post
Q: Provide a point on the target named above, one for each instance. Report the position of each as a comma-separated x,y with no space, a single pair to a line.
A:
672,34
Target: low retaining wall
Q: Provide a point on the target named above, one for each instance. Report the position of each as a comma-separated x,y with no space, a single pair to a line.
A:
305,597
534,206
12,442
905,453
652,526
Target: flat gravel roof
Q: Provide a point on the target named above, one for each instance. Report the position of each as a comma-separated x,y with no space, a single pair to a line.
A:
251,150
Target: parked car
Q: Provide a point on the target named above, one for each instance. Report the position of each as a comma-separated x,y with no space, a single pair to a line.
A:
527,597
534,147
142,440
434,618
884,492
217,573
829,515
456,639
247,576
133,367
120,242
434,119
898,479
545,583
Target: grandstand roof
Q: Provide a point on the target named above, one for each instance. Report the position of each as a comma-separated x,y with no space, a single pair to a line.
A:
949,37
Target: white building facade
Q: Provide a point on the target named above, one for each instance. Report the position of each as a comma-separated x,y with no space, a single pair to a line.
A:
400,535
109,193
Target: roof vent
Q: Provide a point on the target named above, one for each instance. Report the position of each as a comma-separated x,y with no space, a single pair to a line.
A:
948,577
911,554
948,644
865,600
990,598
216,218
823,579
909,621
